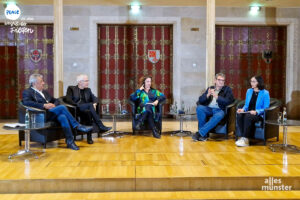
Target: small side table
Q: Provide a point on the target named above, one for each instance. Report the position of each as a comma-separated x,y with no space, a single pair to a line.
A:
284,146
114,132
181,132
26,150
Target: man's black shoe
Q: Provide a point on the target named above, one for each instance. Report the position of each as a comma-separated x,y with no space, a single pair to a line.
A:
84,129
73,146
105,128
156,133
202,139
196,136
89,138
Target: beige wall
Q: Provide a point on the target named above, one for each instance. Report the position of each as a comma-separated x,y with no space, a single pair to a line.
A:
80,47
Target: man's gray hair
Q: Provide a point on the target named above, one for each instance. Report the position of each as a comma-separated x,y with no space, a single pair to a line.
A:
80,77
220,74
33,78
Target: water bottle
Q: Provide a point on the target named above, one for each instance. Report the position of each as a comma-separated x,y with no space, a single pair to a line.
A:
27,118
120,107
182,106
107,108
284,115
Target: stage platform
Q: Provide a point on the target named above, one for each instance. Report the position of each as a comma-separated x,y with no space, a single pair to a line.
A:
141,163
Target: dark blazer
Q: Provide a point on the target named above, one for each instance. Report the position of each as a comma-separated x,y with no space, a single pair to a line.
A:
225,97
73,95
33,99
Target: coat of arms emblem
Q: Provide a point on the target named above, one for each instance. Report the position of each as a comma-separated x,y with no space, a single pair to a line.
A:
267,56
153,55
35,55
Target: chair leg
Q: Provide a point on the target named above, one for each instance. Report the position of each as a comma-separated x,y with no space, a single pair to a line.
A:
277,138
45,145
265,142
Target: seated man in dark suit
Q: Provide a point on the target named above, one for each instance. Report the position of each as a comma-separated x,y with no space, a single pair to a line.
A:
82,96
36,97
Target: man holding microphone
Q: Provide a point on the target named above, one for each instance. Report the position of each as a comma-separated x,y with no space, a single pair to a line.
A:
212,104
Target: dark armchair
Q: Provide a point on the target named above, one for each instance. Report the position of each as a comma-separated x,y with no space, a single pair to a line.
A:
263,131
84,118
55,132
227,124
135,115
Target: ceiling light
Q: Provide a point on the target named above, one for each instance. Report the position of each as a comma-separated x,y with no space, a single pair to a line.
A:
134,9
254,10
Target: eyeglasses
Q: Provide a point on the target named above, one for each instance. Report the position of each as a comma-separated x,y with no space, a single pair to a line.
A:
253,81
85,80
221,80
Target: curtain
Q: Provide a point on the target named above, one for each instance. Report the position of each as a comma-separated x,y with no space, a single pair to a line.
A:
123,59
240,53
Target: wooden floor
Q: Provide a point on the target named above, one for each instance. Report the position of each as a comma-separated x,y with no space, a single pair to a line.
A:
142,163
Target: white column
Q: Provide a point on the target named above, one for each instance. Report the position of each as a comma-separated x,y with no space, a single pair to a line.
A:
58,47
210,41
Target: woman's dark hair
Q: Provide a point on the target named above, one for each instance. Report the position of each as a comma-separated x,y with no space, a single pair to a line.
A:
260,82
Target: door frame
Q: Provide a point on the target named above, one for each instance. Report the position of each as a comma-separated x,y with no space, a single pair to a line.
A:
175,21
291,46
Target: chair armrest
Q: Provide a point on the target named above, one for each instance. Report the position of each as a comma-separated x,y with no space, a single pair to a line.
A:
230,106
240,104
34,110
31,109
236,101
160,106
133,107
273,107
63,102
271,112
71,108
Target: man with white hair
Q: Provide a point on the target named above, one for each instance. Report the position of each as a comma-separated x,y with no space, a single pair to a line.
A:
82,96
36,97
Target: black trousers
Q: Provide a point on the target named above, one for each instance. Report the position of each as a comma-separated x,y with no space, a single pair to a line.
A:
148,116
245,122
90,107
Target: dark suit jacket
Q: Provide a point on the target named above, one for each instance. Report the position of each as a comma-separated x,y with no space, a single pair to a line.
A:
225,97
33,99
73,95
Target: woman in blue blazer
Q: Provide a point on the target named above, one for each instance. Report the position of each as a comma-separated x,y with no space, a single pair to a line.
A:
257,100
